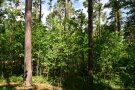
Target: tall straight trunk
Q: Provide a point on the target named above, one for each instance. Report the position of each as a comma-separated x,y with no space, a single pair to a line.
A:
66,8
38,65
40,10
37,8
118,20
99,16
90,52
66,14
50,6
51,16
27,57
21,7
60,10
117,16
51,9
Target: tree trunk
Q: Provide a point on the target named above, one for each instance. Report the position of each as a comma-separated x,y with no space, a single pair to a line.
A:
27,57
51,9
118,21
66,14
99,16
117,17
60,10
21,7
37,8
40,11
90,52
38,64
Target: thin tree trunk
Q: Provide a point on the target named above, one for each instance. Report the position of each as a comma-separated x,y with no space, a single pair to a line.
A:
38,61
118,21
27,57
51,9
21,7
40,11
51,13
38,65
37,8
99,16
117,17
66,14
90,52
60,10
66,4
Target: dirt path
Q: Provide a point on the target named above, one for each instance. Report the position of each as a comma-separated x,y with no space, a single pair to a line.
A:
35,86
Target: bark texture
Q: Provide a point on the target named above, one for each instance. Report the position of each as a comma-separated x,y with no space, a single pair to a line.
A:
90,52
27,57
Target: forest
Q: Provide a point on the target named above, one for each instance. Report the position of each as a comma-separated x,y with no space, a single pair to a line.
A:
67,44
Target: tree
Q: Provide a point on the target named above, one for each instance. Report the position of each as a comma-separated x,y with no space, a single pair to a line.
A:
21,7
66,14
27,57
38,9
90,53
129,33
98,16
115,5
51,10
66,8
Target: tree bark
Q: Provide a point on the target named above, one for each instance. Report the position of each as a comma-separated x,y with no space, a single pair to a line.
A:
66,14
40,11
21,7
51,9
37,8
118,21
90,52
66,2
99,16
60,10
117,17
27,57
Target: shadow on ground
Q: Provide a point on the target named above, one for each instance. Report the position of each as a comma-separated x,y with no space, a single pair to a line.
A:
33,87
78,83
7,87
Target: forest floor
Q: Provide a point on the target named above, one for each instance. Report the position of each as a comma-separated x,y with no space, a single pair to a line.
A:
35,86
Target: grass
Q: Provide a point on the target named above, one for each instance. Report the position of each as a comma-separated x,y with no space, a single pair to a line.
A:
5,87
35,79
71,83
16,83
33,87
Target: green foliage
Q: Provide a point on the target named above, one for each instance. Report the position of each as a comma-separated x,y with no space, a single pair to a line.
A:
11,79
16,78
39,79
108,51
59,51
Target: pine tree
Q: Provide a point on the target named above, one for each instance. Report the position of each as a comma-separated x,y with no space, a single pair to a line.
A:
90,52
115,5
27,57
